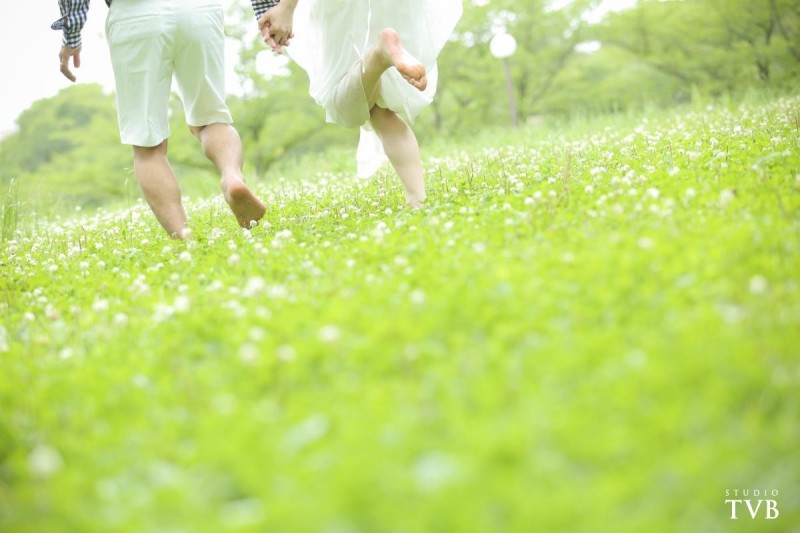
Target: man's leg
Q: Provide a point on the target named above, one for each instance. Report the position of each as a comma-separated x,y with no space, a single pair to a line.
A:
160,188
400,145
222,145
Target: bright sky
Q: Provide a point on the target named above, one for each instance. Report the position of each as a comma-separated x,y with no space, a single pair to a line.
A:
30,58
30,53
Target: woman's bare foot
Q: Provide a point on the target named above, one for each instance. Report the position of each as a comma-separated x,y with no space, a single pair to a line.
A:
246,207
392,51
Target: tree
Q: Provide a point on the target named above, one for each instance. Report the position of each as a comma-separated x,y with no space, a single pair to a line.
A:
718,45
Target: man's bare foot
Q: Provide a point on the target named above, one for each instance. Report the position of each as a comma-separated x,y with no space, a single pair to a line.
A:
246,207
415,201
183,235
392,51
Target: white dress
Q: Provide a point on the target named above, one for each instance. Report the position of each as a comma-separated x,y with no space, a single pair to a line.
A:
332,37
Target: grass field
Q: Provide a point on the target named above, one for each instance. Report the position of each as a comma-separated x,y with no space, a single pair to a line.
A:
588,333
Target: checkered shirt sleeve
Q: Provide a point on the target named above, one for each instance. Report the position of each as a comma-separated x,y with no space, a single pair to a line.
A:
73,17
262,6
74,12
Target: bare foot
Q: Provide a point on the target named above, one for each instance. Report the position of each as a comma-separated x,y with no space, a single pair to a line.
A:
183,235
415,201
247,208
409,66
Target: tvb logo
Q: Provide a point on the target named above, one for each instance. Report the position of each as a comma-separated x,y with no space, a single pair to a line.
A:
767,508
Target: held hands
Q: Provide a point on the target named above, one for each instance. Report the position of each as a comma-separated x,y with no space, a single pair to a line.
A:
276,25
64,55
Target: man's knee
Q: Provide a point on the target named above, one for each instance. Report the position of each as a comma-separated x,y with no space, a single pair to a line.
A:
158,150
197,130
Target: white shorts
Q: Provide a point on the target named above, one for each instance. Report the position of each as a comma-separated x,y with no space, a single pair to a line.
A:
150,42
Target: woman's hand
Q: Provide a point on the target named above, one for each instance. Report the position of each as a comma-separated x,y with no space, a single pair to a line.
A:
276,25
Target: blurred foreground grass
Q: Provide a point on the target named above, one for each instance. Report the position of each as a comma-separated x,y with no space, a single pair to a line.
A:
597,334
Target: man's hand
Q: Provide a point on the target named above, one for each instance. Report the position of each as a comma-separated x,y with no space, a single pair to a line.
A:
64,55
276,25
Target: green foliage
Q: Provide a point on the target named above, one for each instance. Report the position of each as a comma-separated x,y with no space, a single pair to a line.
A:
592,328
719,45
66,151
9,212
472,89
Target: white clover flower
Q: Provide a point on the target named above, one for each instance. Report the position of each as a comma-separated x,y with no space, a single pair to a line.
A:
285,353
478,247
44,461
224,404
597,170
181,304
674,171
645,243
28,316
653,193
52,268
329,334
51,313
140,380
235,308
120,320
254,286
726,197
233,259
277,292
185,256
758,284
248,353
256,334
162,312
690,193
417,297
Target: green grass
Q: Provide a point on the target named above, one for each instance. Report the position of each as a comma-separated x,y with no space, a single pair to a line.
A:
595,333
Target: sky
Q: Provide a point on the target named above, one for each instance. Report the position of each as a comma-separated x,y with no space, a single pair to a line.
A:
30,63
